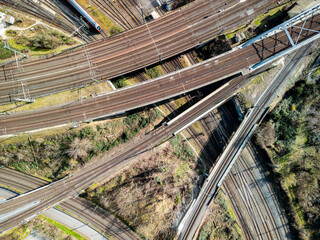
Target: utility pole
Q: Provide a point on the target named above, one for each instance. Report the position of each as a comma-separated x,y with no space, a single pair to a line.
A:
6,46
142,14
26,98
92,71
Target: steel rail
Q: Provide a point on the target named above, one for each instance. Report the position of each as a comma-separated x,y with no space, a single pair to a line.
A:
91,213
197,29
145,93
61,191
234,148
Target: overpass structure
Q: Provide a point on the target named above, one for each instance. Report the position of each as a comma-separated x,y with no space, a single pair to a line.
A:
161,88
253,118
94,216
56,192
294,32
148,44
59,191
233,150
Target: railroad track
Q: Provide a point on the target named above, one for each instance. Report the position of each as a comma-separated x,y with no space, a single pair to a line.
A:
66,13
64,18
148,92
190,130
129,51
30,7
281,212
170,66
70,13
94,215
256,206
222,135
241,177
72,185
235,145
173,65
126,14
64,189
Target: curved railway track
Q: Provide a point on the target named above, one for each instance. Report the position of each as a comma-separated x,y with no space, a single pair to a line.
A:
246,177
235,145
256,206
94,215
64,189
222,135
66,14
30,7
126,14
63,18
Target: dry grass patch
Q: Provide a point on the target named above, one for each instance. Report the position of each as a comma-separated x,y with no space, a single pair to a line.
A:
219,222
58,98
152,194
100,17
61,153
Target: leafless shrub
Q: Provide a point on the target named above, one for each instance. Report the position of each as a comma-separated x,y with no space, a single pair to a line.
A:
79,148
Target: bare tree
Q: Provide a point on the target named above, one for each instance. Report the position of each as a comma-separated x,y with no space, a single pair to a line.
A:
79,148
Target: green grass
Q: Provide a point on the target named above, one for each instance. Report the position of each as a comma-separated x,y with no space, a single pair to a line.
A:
154,72
51,158
64,229
11,33
233,216
58,98
257,22
13,44
257,80
40,41
120,83
230,35
182,151
114,30
5,53
294,151
182,170
10,188
219,223
316,72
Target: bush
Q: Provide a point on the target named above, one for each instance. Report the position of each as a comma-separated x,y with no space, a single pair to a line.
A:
44,39
54,156
5,53
153,72
120,83
217,46
11,33
79,149
115,30
295,150
180,3
86,132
